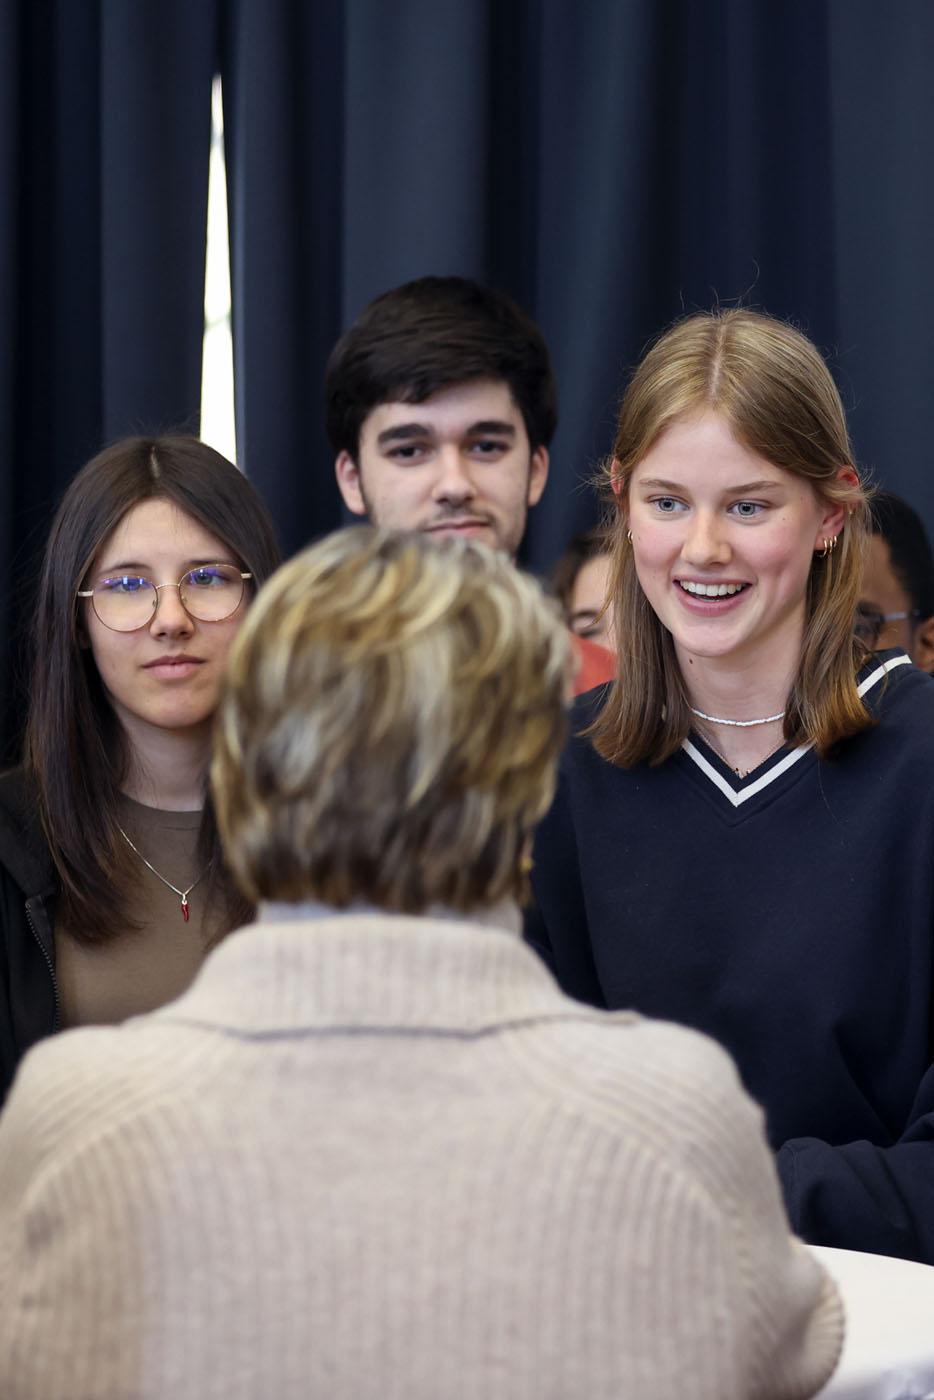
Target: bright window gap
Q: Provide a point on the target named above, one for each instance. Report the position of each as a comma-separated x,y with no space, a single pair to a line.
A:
218,423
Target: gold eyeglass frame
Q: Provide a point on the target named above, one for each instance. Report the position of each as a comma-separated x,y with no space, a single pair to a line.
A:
157,587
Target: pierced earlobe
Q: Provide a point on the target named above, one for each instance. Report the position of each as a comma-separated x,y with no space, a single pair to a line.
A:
829,547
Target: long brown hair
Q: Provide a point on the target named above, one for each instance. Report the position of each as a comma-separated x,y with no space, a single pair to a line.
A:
774,391
75,748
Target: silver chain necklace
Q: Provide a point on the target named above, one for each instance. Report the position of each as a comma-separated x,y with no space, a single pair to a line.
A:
182,894
738,723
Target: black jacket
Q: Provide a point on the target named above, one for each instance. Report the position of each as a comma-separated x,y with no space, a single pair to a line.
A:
28,888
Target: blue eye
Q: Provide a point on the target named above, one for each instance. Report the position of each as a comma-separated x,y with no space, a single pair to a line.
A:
209,576
125,584
666,504
748,510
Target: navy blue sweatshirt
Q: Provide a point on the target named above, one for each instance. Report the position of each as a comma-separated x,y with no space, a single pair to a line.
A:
790,915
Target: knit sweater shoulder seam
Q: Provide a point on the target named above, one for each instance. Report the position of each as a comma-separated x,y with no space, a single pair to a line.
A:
354,1029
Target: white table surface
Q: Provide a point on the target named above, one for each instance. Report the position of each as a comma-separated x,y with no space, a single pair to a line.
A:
888,1353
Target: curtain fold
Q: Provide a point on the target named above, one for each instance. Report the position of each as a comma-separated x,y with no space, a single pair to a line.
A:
612,165
103,199
157,63
283,79
882,134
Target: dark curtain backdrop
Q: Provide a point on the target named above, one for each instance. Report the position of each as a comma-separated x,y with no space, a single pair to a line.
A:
104,141
611,163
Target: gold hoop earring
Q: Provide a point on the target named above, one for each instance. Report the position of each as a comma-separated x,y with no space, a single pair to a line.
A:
629,536
829,547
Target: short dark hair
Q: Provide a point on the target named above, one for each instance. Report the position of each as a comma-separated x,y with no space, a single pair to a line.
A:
894,521
429,335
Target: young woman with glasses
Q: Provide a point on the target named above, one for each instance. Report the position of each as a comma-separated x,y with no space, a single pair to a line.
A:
111,878
743,838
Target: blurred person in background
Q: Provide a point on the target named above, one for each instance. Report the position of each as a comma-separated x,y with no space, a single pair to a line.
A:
896,605
112,884
441,405
580,580
374,1150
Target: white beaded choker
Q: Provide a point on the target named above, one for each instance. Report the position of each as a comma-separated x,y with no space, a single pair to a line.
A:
738,723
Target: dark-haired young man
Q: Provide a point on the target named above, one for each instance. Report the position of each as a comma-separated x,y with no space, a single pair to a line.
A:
441,406
896,607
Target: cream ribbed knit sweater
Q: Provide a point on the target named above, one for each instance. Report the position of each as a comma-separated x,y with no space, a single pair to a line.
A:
382,1157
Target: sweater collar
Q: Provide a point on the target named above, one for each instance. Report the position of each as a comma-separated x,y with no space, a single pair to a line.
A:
504,916
369,969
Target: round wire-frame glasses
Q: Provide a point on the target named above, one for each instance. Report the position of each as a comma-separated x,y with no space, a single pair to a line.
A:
124,602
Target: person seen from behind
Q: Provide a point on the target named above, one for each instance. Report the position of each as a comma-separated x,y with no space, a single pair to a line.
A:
374,1149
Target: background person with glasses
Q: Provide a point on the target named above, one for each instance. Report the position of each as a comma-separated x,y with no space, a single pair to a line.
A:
896,605
111,880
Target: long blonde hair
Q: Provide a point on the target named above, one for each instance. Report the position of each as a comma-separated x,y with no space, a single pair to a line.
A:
772,388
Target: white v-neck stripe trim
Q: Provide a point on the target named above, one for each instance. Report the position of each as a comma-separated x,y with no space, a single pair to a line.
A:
744,794
875,676
753,789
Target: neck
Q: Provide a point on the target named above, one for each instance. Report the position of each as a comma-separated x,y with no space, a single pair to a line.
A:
167,767
737,688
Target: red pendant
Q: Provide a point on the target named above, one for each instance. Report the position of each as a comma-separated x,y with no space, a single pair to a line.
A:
184,909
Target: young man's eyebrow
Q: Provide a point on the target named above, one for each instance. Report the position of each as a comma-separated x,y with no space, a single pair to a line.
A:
405,432
402,432
494,426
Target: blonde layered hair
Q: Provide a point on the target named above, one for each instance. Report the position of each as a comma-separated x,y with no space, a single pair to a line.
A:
390,726
772,388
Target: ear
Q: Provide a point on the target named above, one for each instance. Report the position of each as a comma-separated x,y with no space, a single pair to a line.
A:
348,481
923,649
834,516
538,475
832,523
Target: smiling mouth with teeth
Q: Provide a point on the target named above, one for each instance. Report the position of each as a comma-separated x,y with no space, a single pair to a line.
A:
712,590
